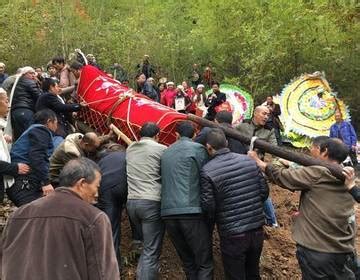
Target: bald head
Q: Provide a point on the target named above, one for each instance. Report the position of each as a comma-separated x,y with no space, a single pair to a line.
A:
90,142
261,115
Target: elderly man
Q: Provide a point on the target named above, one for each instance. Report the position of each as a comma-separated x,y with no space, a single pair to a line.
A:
7,169
257,127
61,236
146,87
324,229
144,189
344,131
23,103
75,145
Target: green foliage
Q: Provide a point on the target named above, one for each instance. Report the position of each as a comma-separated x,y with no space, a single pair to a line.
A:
259,44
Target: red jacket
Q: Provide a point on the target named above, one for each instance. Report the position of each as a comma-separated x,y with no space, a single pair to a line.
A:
168,97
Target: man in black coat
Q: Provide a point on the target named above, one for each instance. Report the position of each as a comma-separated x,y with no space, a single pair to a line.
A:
113,189
215,99
23,103
233,192
274,121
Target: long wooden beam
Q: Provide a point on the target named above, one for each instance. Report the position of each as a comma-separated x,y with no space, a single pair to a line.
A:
278,151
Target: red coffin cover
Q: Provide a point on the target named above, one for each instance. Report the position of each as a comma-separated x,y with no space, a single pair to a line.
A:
103,93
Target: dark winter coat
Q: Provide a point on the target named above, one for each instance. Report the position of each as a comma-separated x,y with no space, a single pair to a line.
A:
212,103
52,102
26,94
233,192
113,170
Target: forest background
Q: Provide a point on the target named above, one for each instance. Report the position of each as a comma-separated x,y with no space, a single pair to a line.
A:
258,44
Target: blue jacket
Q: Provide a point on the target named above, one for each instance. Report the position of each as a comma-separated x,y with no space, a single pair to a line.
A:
34,147
345,132
180,177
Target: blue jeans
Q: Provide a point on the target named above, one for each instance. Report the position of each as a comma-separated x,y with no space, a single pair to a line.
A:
146,213
269,212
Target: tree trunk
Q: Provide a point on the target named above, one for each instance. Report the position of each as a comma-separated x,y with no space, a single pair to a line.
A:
297,157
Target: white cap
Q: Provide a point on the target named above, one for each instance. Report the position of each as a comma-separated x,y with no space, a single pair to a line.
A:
27,69
200,86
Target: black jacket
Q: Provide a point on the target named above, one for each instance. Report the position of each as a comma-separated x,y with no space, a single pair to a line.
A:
26,94
51,101
212,103
234,145
113,170
150,91
6,168
233,192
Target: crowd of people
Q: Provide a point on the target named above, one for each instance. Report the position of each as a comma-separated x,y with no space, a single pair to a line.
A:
56,175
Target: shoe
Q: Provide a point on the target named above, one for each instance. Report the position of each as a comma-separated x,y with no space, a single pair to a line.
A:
275,225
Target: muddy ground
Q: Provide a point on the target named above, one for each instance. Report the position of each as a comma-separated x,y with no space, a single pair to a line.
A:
278,259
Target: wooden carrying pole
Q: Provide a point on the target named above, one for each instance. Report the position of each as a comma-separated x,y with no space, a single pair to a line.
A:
120,134
297,157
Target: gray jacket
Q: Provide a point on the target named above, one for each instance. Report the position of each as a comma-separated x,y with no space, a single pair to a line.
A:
143,169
